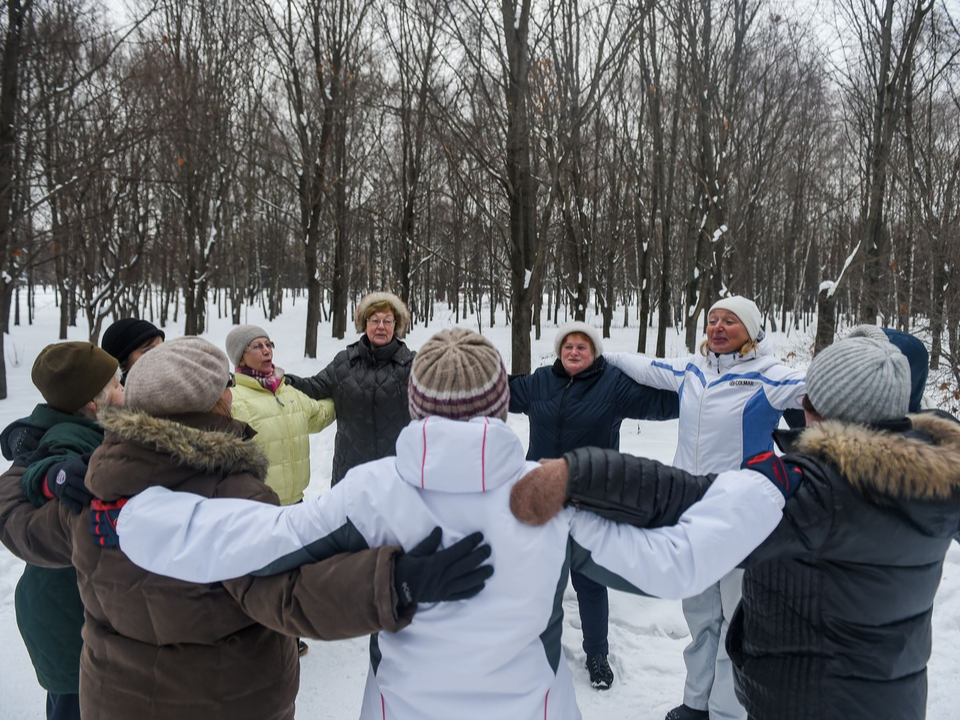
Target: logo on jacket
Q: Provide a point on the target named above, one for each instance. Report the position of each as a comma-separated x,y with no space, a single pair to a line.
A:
737,383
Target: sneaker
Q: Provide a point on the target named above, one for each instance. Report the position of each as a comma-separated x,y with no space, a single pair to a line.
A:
601,674
683,712
302,648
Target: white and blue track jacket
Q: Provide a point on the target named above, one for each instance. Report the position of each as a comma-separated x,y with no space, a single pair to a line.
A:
498,654
729,404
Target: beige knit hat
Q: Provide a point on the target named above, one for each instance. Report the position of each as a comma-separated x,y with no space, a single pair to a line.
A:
184,375
459,375
239,339
400,312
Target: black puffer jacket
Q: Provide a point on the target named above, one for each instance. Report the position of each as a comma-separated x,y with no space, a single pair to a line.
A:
835,618
368,387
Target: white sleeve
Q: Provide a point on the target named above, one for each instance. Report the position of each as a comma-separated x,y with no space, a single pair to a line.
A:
654,372
787,389
736,514
203,540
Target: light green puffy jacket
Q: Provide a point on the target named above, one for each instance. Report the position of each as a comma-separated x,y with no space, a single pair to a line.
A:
283,423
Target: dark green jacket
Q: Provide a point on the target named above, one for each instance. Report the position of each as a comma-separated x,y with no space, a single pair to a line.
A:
49,610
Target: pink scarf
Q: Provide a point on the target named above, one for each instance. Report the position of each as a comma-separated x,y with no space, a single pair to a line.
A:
271,381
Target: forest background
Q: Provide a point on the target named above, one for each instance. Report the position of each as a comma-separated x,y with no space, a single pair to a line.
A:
530,157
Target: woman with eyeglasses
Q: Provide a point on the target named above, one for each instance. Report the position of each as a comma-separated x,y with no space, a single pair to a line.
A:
283,417
367,382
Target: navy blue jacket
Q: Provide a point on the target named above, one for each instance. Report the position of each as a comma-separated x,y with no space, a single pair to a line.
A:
568,412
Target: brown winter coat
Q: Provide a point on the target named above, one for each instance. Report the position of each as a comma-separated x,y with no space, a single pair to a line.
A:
157,648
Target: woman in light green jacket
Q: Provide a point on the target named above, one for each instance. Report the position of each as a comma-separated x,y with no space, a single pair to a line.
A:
282,416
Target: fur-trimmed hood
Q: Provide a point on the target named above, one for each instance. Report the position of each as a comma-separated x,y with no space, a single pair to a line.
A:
400,312
891,464
189,444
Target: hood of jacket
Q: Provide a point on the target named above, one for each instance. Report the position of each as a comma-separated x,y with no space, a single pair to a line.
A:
890,464
198,442
459,457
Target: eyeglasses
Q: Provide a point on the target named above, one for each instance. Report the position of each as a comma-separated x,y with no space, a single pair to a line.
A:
260,347
231,381
386,322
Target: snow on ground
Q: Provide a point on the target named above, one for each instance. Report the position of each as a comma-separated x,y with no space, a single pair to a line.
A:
647,636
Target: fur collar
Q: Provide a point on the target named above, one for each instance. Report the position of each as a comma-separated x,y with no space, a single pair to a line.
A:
891,464
206,442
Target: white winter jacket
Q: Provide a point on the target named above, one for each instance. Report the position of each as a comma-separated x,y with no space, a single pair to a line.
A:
729,404
497,655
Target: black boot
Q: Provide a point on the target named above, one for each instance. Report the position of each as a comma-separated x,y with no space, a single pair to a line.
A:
601,674
682,712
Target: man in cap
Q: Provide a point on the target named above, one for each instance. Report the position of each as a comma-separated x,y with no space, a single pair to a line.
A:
47,449
835,620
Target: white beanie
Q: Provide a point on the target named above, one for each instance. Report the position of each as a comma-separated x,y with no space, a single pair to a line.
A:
743,308
583,329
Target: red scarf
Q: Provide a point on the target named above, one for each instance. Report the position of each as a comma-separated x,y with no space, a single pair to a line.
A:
271,381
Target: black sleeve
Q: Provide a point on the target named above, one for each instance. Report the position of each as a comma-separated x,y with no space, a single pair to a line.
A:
795,418
632,490
318,387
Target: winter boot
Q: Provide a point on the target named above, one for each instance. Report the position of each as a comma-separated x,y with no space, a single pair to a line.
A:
601,674
683,712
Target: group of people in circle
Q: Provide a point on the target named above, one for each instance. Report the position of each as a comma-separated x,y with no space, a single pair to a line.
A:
149,438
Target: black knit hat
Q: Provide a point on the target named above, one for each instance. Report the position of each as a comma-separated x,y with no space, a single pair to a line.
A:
126,335
70,374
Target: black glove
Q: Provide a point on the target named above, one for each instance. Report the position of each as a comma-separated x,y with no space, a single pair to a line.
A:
785,476
425,575
64,481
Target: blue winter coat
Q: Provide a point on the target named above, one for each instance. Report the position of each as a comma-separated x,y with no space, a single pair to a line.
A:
568,412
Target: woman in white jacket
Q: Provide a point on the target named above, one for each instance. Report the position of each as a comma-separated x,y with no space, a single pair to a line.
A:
732,396
499,655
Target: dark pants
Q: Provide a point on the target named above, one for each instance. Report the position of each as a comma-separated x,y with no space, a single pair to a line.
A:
63,707
594,613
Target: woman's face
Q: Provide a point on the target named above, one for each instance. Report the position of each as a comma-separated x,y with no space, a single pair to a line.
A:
116,392
380,328
576,353
259,355
141,351
725,332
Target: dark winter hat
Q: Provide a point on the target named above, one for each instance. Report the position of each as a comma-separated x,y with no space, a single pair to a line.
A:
458,374
860,380
400,312
912,348
126,335
239,340
187,374
70,374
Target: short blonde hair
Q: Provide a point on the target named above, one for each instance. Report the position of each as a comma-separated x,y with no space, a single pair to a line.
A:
383,306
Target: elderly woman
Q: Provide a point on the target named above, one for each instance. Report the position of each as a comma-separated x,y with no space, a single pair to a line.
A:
180,651
368,384
282,416
580,401
732,396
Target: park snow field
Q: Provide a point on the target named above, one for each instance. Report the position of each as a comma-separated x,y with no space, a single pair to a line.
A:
647,636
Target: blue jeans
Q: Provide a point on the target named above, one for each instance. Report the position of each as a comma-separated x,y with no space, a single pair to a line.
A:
63,707
594,613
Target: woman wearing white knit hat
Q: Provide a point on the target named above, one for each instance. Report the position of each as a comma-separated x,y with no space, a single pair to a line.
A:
580,401
732,396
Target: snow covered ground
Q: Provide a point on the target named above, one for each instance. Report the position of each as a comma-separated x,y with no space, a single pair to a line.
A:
646,636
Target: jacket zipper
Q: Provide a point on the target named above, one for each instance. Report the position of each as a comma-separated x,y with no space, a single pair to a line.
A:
556,442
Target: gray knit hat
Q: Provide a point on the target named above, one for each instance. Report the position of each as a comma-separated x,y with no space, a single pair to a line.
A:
458,374
860,380
184,375
239,340
583,329
868,331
